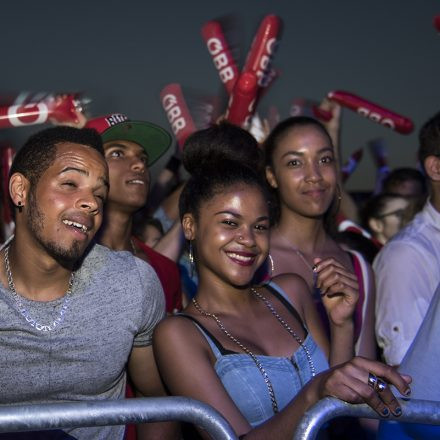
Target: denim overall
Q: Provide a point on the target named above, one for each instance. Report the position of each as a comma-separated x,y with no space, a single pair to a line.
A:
244,382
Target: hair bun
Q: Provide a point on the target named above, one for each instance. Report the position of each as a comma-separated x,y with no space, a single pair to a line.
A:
218,146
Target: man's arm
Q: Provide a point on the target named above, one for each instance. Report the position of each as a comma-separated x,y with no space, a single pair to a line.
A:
403,292
147,383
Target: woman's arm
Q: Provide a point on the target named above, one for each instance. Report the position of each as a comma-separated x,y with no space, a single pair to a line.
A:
340,293
186,361
171,244
186,366
366,345
338,301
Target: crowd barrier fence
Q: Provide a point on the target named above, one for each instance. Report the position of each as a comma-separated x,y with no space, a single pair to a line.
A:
413,411
18,418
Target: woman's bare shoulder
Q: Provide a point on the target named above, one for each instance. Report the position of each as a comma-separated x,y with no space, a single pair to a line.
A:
175,326
295,287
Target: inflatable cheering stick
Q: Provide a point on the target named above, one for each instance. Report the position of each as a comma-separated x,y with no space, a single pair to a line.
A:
241,105
320,113
177,112
259,59
436,22
218,47
59,108
372,111
306,107
350,166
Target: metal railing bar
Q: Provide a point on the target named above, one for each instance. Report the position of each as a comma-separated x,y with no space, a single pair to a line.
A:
413,411
15,418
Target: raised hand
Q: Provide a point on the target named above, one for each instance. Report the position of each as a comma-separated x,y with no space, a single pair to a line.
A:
339,289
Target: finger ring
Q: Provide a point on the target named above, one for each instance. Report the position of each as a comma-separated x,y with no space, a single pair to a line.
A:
380,386
372,380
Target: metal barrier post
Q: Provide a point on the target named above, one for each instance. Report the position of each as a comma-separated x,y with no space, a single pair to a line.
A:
16,418
413,411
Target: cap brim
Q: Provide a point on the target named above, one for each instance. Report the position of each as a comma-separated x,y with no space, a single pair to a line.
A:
152,138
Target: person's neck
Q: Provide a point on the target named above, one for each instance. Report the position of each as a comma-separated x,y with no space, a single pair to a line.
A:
218,297
305,234
435,197
36,275
116,231
381,239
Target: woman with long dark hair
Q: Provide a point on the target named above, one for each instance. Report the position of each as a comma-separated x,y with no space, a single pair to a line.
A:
301,170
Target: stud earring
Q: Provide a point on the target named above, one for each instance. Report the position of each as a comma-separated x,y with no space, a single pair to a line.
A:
20,207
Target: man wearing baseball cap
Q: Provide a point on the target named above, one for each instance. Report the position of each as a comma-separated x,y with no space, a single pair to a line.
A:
131,147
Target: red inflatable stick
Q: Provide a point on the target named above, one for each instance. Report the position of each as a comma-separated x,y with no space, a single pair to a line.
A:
263,48
306,107
221,55
60,108
177,112
372,111
272,75
322,114
7,155
241,104
436,22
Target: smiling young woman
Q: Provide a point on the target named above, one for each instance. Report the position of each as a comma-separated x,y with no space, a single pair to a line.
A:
258,353
301,170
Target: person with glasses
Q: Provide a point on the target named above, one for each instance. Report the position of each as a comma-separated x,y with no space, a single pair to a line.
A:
383,216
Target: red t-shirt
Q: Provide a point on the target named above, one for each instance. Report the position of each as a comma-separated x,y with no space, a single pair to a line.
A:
169,276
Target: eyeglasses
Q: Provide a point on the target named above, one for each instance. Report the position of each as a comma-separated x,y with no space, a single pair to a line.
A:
398,213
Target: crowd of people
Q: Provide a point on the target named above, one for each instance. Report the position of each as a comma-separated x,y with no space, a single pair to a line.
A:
252,281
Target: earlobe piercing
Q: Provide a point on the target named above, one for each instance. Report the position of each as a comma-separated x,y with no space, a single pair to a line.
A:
20,207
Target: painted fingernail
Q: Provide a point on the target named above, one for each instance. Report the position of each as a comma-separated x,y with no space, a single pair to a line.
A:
408,392
398,411
314,268
385,412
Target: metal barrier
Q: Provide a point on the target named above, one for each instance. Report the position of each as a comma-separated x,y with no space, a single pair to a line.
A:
16,418
413,411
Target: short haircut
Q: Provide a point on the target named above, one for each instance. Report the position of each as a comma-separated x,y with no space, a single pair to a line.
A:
39,151
376,206
401,175
141,221
429,139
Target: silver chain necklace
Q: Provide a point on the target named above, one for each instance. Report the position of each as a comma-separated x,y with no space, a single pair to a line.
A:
288,328
21,308
249,353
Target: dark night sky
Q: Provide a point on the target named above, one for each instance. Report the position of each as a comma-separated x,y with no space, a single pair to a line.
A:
121,54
